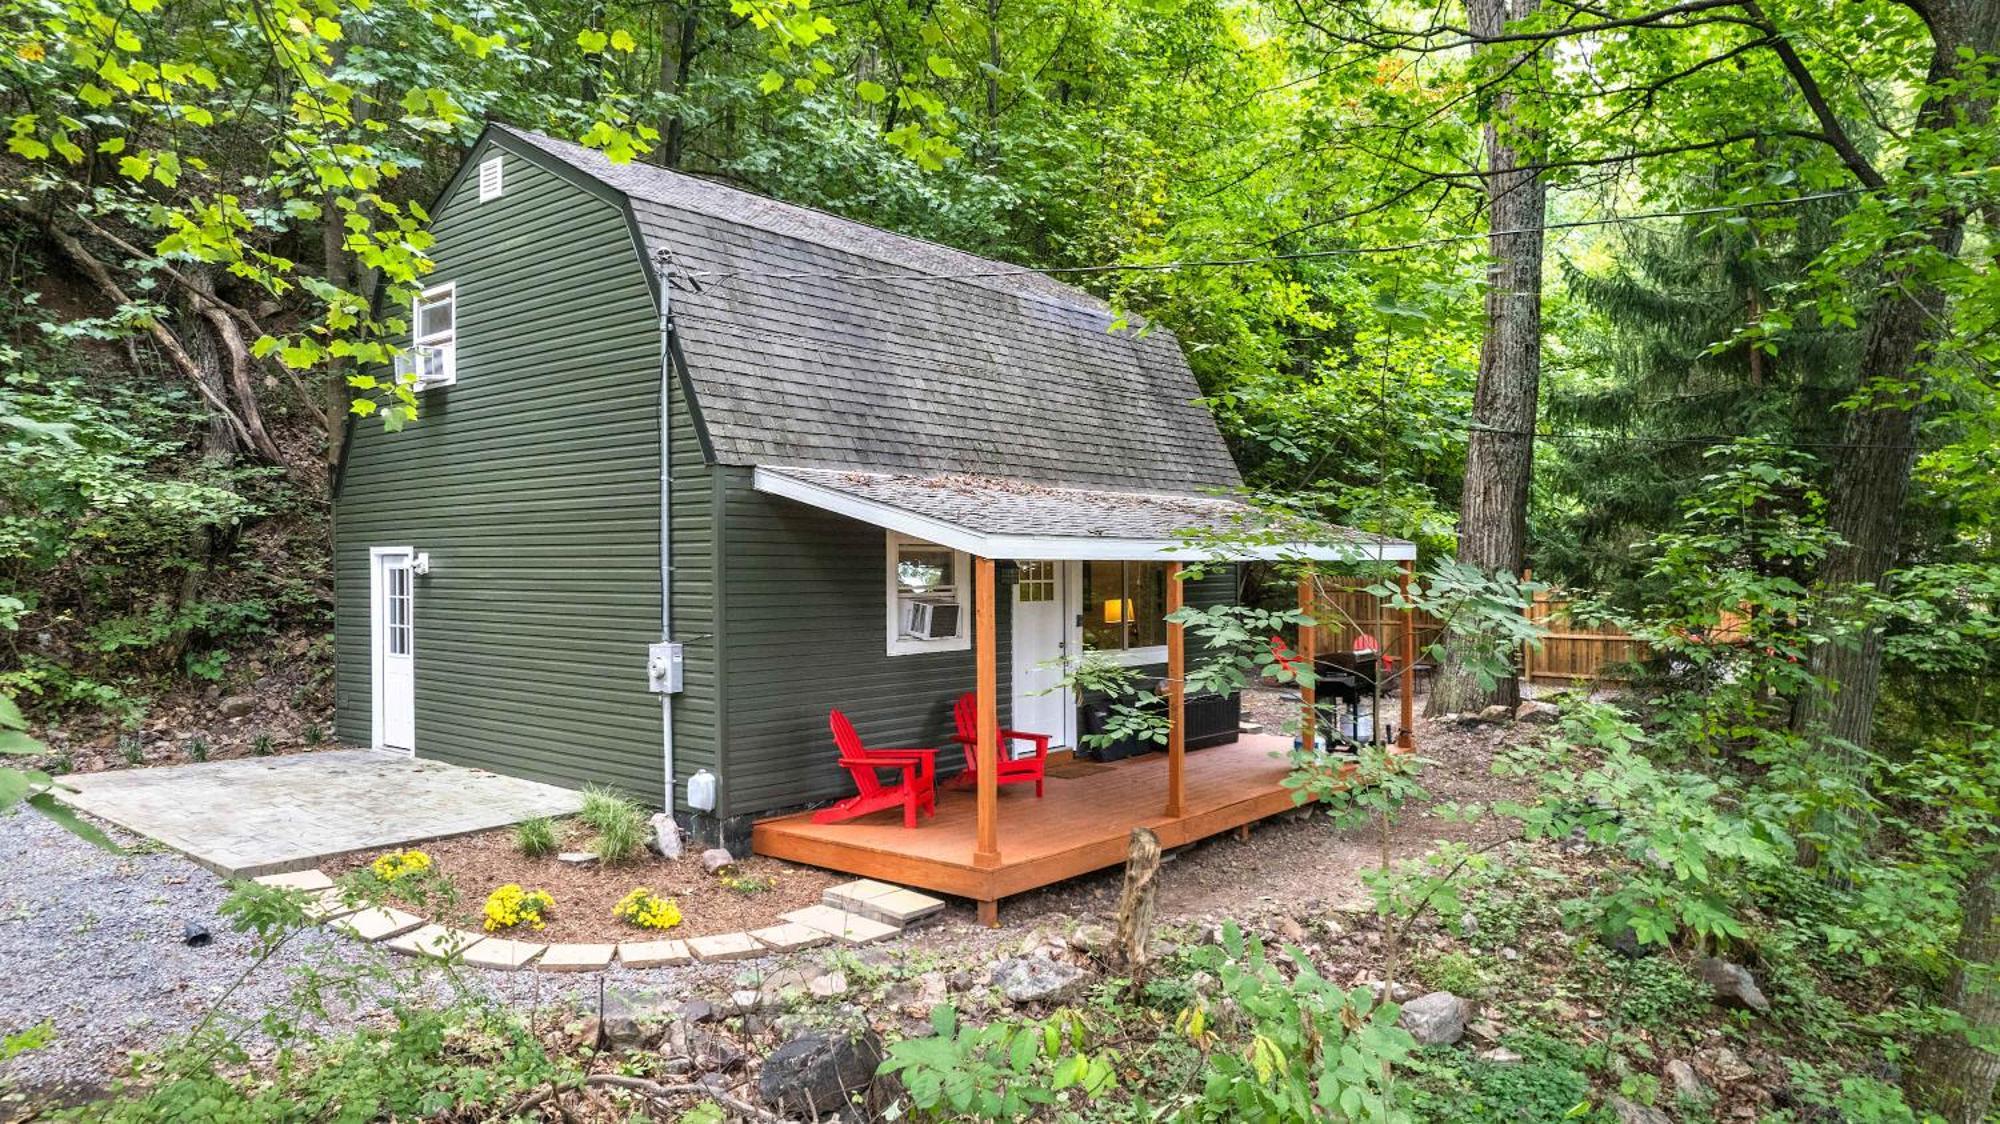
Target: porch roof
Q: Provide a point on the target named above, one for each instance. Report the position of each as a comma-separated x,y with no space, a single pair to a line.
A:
1007,517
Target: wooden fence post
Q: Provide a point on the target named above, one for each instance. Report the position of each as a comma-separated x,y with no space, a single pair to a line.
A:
1527,646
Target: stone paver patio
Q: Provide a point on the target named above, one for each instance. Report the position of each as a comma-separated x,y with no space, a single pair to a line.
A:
266,815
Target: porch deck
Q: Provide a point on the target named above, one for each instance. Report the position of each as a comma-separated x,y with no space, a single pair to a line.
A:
1082,824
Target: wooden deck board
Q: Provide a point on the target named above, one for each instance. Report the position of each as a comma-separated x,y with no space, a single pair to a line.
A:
1082,824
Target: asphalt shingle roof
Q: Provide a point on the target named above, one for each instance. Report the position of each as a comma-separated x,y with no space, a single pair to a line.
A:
1014,375
1005,507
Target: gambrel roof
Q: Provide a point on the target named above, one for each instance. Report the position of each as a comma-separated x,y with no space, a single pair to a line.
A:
804,349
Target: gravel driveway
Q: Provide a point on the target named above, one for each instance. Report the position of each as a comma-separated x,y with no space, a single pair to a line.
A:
91,941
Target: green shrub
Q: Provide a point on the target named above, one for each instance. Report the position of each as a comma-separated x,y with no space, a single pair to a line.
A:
1458,972
197,749
1547,1084
1003,1070
619,822
312,734
261,745
535,838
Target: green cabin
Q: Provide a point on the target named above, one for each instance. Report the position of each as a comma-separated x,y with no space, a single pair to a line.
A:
695,467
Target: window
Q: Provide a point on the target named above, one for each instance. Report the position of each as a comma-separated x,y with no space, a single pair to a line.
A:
1125,608
434,337
489,178
928,605
1035,582
396,607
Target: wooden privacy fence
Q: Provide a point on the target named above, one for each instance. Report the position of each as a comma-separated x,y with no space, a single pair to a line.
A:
1569,651
1347,610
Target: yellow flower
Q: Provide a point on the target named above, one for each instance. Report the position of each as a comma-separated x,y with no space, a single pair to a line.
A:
400,864
510,905
33,52
641,908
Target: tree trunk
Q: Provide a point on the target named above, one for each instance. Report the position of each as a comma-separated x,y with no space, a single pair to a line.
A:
1953,1074
234,356
993,74
1500,452
677,41
1871,478
1136,903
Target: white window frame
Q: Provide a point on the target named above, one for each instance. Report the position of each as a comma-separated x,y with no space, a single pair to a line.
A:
491,191
961,591
445,343
1130,657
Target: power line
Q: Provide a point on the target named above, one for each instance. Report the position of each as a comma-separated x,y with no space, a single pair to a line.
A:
1264,259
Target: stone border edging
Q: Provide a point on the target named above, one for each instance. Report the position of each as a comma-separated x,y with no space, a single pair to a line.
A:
854,913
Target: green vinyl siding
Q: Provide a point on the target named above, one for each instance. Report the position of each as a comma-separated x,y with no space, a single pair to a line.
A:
694,544
803,598
534,485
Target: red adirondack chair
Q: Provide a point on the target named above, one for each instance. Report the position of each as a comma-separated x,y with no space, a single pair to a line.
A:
916,792
1010,771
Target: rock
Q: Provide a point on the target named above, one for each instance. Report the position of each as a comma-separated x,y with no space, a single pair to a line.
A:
814,1074
236,706
1437,1019
576,858
1540,713
1685,1084
1733,985
620,1025
715,860
1396,993
1625,942
1632,1112
1498,712
1096,940
1499,1055
666,839
712,1053
932,989
832,985
747,999
1485,1032
700,1011
1036,981
1728,1066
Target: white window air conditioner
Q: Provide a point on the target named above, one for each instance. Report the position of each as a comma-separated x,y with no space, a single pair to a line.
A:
931,620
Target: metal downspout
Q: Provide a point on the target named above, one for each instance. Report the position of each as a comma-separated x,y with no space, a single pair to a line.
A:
666,509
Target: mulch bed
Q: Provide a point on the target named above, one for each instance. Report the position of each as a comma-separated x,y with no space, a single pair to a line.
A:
477,864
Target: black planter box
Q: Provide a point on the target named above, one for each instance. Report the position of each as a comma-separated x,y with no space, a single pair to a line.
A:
1211,720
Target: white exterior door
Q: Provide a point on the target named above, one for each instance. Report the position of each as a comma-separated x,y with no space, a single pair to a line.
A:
1043,615
394,650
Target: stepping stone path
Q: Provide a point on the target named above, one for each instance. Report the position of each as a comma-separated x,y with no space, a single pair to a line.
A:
853,913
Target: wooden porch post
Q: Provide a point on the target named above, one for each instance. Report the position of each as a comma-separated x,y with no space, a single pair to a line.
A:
986,688
1176,698
1404,738
1308,643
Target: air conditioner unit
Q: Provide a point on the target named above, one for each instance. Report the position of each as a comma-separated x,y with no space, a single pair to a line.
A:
931,620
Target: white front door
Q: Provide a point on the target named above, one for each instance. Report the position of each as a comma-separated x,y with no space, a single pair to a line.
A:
395,657
1042,618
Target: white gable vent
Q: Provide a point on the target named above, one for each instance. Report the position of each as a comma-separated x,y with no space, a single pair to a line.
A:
489,178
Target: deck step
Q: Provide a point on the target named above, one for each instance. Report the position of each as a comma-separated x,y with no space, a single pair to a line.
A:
880,901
